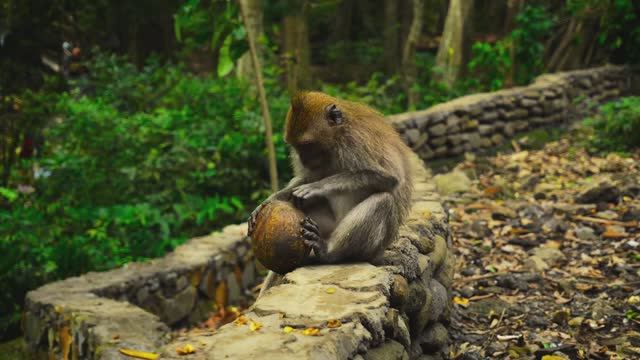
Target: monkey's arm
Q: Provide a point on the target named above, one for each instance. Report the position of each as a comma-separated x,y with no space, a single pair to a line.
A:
372,180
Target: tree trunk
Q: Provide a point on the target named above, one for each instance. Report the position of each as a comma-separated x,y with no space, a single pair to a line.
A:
456,41
408,53
513,8
266,115
253,8
296,50
391,27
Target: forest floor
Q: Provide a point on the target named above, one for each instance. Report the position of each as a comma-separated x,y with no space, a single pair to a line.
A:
548,254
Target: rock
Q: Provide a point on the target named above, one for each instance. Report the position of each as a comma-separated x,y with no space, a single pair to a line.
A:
434,338
503,213
389,350
438,130
536,264
453,182
486,307
497,139
177,308
576,321
607,214
601,310
412,135
550,255
537,321
560,317
585,233
512,282
399,291
601,192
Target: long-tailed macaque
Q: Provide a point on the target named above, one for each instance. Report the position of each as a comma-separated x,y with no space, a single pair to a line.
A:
352,178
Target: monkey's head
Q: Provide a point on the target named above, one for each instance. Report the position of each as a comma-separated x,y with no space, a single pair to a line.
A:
314,125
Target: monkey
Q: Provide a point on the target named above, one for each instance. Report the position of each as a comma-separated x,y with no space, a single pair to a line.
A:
352,179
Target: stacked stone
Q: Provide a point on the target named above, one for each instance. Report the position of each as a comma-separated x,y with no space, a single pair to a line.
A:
139,302
484,120
398,309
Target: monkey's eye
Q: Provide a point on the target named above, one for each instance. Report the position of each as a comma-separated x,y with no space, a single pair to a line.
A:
334,115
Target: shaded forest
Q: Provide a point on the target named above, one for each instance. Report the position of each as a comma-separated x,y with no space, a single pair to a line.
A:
128,127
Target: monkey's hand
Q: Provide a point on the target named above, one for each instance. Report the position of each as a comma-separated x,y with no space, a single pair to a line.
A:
311,236
307,191
251,222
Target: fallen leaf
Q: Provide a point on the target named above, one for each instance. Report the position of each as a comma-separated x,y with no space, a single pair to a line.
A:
287,329
312,331
254,325
464,302
331,290
334,323
139,354
241,320
185,349
553,357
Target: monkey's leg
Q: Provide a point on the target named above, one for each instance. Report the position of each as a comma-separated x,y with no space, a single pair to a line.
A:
365,231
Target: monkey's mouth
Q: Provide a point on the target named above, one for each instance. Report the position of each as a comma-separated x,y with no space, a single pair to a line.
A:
312,155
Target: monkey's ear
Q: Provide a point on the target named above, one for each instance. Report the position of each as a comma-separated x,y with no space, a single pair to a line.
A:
334,115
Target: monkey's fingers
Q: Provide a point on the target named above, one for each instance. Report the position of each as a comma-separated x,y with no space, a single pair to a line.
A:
305,192
310,225
310,236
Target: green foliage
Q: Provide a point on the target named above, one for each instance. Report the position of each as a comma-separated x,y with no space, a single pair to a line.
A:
431,90
619,26
377,92
519,54
216,24
616,127
491,63
144,161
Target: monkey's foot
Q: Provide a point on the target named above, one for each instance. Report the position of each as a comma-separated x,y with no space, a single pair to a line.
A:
311,236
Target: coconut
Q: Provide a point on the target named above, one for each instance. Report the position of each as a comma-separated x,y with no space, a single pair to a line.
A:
276,238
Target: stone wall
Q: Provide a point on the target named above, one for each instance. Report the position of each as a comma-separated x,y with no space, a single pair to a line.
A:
94,315
484,120
398,309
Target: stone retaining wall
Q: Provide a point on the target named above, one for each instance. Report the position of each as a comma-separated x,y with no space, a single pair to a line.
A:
484,120
395,310
92,316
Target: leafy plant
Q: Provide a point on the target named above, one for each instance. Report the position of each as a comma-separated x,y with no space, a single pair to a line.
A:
519,54
216,23
133,163
617,125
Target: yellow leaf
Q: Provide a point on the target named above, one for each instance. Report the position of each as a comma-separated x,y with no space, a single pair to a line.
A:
241,320
139,354
65,342
334,323
464,302
331,290
185,349
254,326
552,357
287,329
311,331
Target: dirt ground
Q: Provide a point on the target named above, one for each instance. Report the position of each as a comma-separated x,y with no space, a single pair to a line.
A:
548,254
